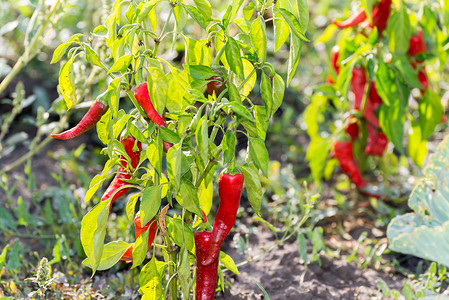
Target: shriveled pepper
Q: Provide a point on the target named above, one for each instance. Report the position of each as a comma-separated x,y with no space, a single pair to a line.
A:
230,191
206,276
93,115
143,98
342,151
138,230
115,189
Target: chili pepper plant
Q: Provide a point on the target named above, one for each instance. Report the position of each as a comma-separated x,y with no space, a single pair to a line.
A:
160,120
382,86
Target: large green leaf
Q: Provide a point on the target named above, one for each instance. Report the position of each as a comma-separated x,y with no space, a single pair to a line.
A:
425,232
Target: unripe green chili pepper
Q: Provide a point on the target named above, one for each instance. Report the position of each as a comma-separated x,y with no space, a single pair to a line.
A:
143,98
206,276
122,172
230,191
93,115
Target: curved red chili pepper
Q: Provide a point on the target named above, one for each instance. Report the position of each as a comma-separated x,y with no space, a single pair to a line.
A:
358,83
380,15
93,115
138,230
417,44
122,173
206,276
230,191
353,20
342,151
143,98
352,128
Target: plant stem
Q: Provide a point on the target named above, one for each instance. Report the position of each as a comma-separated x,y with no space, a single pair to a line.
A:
173,284
203,175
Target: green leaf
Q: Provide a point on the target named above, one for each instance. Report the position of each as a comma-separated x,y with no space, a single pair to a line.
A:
150,203
204,7
150,279
100,30
234,58
184,272
392,117
228,262
253,186
407,72
278,92
233,92
267,93
196,15
67,83
112,252
259,38
281,30
293,23
417,147
259,154
200,72
93,231
169,135
262,121
140,249
303,8
145,10
174,155
228,145
293,57
384,82
187,197
59,52
181,235
240,110
235,6
202,139
400,31
430,113
3,256
121,65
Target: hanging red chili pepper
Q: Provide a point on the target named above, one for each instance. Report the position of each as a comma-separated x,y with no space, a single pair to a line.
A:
230,191
335,54
143,98
342,151
115,187
377,142
138,230
352,128
353,20
358,83
206,276
417,44
381,13
374,97
89,120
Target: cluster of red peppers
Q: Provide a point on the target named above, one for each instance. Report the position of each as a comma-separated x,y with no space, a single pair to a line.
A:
379,17
119,185
208,245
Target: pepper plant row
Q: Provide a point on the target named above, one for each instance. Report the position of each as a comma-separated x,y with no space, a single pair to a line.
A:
166,146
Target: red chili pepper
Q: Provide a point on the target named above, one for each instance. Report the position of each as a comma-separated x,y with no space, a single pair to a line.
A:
352,128
422,76
138,230
374,96
215,84
353,20
335,54
230,191
417,44
358,83
122,173
206,276
380,15
342,151
377,142
89,120
143,98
